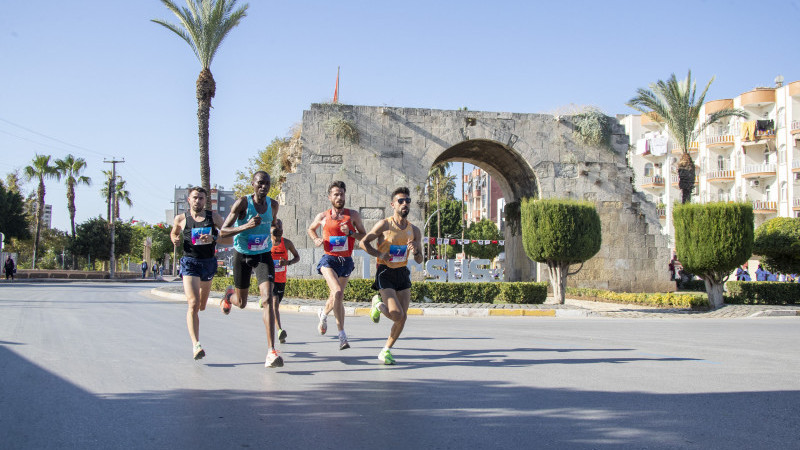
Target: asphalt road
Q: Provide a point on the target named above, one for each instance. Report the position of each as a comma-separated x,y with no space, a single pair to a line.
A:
108,366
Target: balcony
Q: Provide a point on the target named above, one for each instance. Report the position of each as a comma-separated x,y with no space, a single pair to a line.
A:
796,127
718,105
719,140
796,165
796,204
758,97
758,170
655,182
794,89
675,149
662,213
725,175
674,179
650,121
764,207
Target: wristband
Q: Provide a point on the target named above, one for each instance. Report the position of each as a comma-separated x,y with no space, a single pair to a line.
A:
350,233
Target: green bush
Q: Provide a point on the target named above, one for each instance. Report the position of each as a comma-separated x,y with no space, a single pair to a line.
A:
762,293
778,241
360,290
657,299
221,272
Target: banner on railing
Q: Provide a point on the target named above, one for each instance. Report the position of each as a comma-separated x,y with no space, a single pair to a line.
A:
445,241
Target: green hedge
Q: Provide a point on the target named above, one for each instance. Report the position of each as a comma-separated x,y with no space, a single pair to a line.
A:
664,300
762,293
360,290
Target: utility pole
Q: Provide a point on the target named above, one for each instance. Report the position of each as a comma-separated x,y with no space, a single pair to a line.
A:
463,219
112,189
175,246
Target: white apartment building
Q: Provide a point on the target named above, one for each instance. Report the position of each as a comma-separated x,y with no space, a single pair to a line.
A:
754,159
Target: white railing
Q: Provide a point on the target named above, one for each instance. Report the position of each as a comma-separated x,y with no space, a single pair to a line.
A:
657,180
796,164
674,179
795,125
796,203
761,205
662,212
720,139
759,168
716,174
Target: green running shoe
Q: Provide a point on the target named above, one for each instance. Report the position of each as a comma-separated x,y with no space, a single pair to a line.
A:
385,356
375,313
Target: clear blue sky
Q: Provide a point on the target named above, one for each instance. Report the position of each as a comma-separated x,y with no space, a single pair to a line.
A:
96,78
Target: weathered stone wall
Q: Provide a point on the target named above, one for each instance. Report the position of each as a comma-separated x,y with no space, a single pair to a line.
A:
530,155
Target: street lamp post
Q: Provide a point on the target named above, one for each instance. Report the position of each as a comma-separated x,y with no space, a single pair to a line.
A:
425,227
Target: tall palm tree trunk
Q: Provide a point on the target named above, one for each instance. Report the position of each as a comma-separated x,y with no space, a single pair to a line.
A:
686,174
206,88
39,216
71,206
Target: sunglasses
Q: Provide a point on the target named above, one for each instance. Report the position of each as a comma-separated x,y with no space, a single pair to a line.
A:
404,200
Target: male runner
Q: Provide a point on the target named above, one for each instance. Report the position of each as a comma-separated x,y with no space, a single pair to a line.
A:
280,256
197,229
340,228
249,223
397,237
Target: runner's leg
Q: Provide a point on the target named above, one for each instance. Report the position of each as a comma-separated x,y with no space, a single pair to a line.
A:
268,316
397,304
191,288
335,301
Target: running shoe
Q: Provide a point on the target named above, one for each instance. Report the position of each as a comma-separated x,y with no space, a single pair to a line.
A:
273,359
282,335
198,351
225,303
323,322
375,313
343,344
261,303
385,356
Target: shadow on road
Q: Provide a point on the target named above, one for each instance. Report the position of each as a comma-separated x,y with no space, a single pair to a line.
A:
39,409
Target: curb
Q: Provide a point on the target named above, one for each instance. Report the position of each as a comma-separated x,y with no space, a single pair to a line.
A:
357,311
777,313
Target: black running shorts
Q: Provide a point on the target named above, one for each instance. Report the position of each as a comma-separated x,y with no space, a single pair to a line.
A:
398,279
244,265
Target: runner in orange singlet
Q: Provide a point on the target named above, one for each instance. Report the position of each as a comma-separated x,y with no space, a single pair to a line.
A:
397,239
340,228
280,256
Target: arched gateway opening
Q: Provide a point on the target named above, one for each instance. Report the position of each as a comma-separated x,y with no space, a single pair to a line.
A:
516,179
375,149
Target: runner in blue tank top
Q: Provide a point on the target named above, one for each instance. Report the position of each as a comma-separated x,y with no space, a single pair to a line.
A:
249,222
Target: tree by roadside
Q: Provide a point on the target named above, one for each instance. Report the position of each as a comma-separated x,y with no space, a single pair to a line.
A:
778,242
13,220
713,239
204,24
675,105
485,230
92,240
41,170
71,169
560,233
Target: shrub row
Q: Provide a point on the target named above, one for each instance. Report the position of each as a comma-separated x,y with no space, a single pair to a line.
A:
360,290
762,293
665,300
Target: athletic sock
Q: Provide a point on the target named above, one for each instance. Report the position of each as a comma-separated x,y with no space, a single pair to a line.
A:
386,349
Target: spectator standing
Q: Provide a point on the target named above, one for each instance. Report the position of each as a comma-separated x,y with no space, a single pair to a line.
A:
10,268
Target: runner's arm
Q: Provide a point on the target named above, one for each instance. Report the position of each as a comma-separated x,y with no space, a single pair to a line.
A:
373,234
177,227
312,229
295,255
238,209
275,207
218,221
415,247
359,232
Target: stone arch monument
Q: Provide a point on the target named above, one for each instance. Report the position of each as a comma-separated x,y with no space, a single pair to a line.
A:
530,155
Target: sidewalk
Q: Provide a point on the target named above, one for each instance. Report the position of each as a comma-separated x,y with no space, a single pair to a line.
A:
573,308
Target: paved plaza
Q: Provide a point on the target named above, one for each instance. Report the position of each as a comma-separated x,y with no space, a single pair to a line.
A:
108,365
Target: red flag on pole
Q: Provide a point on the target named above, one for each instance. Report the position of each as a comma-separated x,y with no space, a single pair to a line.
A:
336,91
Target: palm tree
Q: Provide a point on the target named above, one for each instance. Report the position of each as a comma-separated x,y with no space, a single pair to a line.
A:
120,195
203,25
672,103
40,169
70,168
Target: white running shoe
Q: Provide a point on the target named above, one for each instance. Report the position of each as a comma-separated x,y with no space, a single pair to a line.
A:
343,344
273,359
323,321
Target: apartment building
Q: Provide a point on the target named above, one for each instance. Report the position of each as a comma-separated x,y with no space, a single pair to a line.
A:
754,159
483,198
220,199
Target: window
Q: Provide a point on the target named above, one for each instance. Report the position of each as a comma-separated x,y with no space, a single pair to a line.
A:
648,170
221,209
720,162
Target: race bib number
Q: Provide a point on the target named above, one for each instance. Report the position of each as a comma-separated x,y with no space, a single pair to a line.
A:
257,242
278,266
398,253
338,243
197,232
